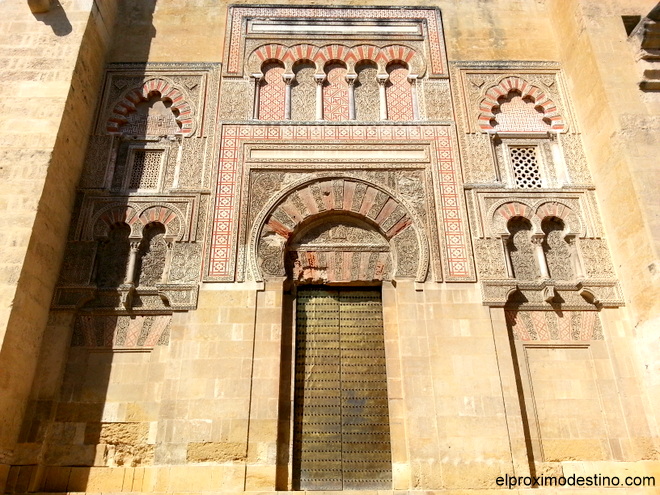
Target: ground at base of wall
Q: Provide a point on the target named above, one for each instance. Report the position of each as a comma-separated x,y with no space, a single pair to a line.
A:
527,491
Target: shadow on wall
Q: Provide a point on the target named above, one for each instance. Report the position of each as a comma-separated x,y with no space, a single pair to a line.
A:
75,400
51,13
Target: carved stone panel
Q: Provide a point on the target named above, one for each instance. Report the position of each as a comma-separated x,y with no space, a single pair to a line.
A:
113,331
548,325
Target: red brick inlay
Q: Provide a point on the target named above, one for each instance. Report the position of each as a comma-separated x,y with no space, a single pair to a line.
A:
399,94
127,105
513,88
222,259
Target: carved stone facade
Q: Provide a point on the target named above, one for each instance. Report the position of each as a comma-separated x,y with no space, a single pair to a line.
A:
334,149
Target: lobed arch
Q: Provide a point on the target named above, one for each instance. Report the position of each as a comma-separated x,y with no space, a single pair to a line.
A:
491,102
501,212
166,91
295,209
323,55
137,219
572,222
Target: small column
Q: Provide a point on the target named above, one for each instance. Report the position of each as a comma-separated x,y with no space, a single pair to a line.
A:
288,80
257,81
132,261
507,255
350,79
537,241
412,79
319,78
382,79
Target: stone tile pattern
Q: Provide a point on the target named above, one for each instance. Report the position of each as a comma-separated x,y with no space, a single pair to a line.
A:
399,94
519,115
271,97
335,93
547,325
236,39
225,216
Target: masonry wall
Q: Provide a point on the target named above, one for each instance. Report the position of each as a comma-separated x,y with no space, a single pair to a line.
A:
48,100
620,130
210,411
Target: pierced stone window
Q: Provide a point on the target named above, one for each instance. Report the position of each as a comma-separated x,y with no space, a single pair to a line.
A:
145,170
525,166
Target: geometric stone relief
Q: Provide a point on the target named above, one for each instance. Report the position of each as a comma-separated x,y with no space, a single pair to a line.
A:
271,92
548,325
99,150
152,228
244,147
477,154
484,97
588,295
78,263
335,93
186,263
399,93
112,256
99,213
339,70
113,331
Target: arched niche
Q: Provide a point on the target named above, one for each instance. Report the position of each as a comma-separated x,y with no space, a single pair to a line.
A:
313,216
338,248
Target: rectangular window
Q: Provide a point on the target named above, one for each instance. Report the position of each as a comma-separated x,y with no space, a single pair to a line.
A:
341,419
525,166
145,170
